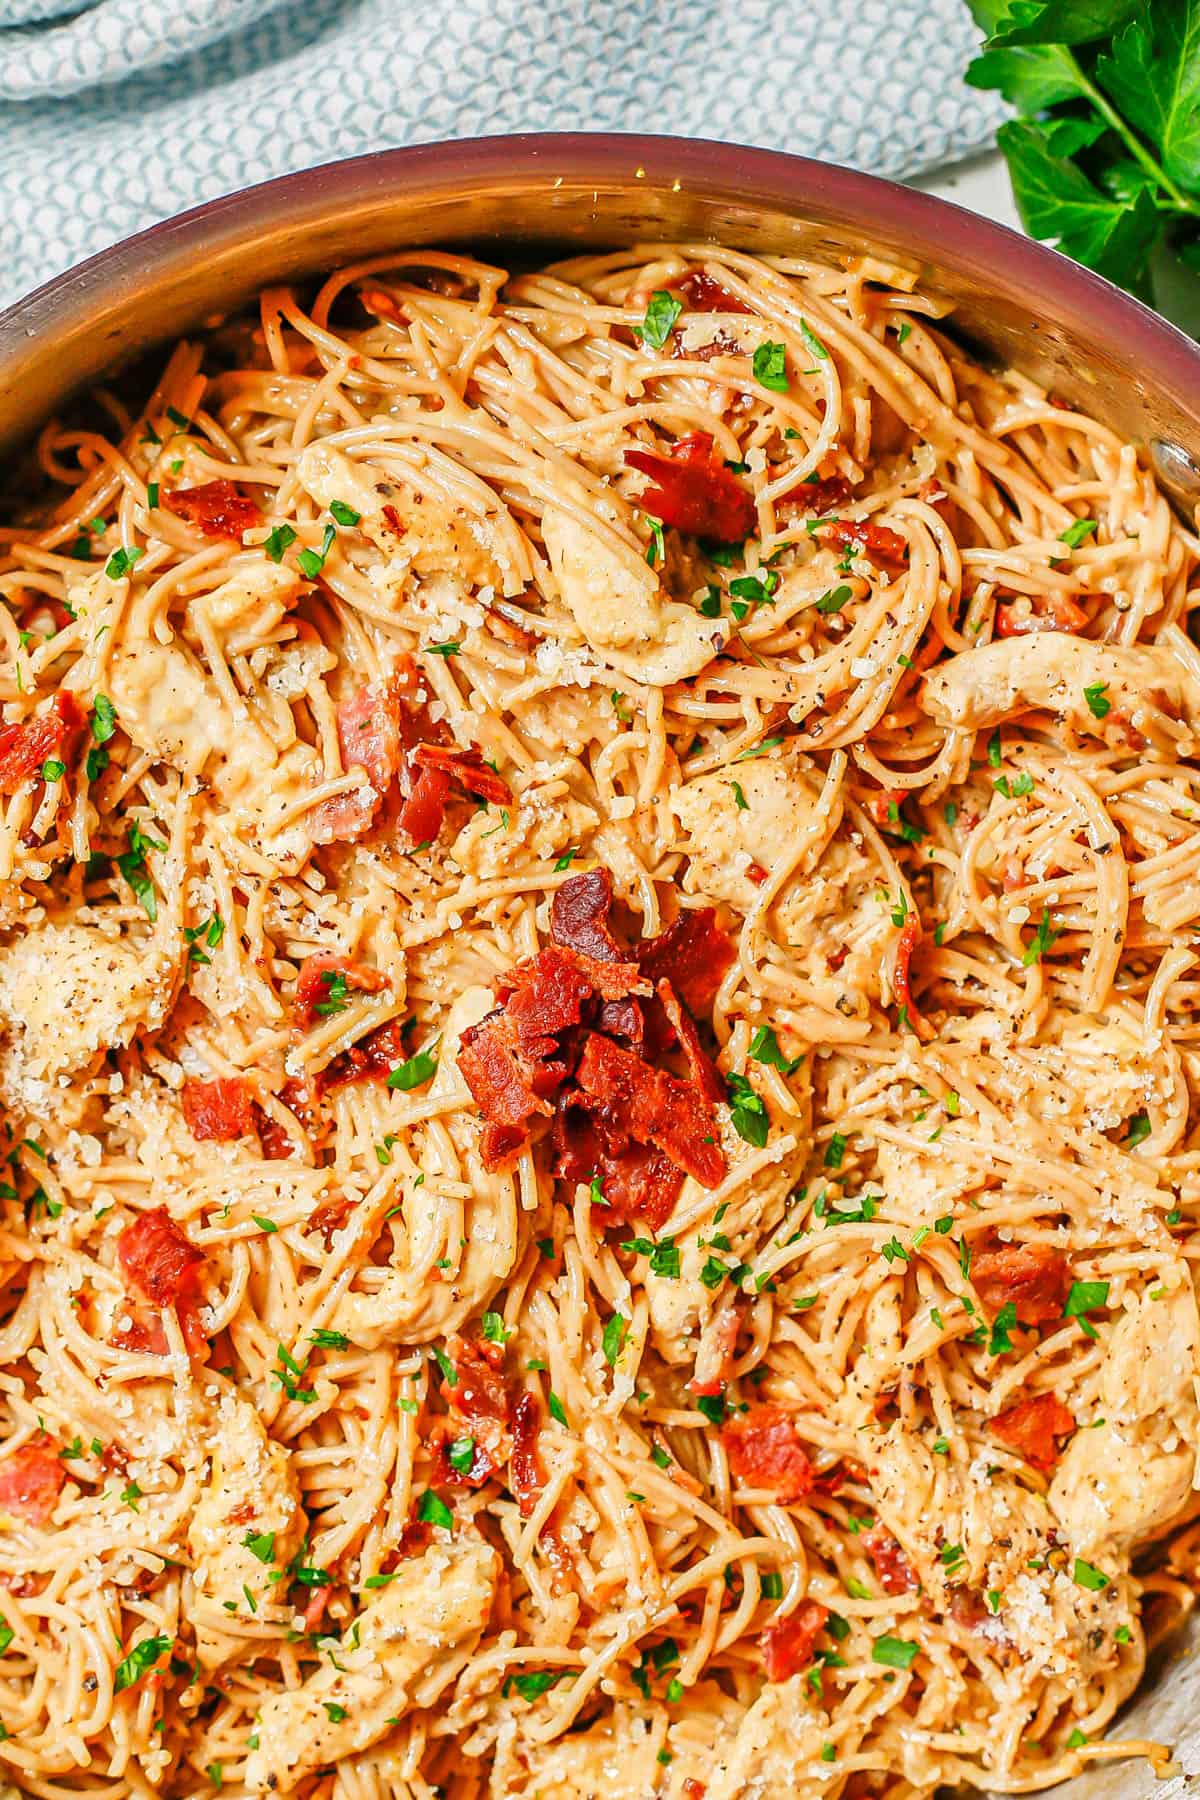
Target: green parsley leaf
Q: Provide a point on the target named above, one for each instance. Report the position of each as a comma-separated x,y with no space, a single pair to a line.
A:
556,1409
261,1544
343,514
614,1338
336,1713
770,367
833,599
1139,1130
494,1328
739,798
450,648
53,770
764,1048
565,860
432,1510
1085,1297
121,562
1077,1739
414,1073
813,342
659,1457
103,718
6,1634
712,1406
748,1112
531,1686
772,1586
139,1661
461,1454
659,321
277,541
1043,940
1098,704
771,743
835,1150
1000,1343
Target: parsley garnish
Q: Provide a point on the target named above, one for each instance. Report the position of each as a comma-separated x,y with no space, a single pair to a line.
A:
121,562
1139,1130
414,1073
261,1544
432,1510
343,514
450,648
1083,1298
894,1653
1074,535
1086,1575
835,1150
140,1659
770,367
764,1048
1000,1343
1043,939
494,1328
660,318
614,1338
747,1111
833,599
1096,696
277,541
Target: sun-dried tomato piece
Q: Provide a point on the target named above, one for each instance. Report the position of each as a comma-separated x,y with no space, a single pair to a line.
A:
468,768
1032,1427
893,1568
219,1110
158,1260
878,543
693,954
811,499
525,1475
1034,1277
787,1644
906,943
1049,612
636,1180
765,1451
704,293
27,747
31,1479
658,1108
318,973
218,509
694,491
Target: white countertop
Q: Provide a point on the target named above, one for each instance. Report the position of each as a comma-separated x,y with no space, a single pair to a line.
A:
981,182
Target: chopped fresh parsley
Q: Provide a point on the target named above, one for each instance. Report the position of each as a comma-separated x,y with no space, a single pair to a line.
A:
835,1151
121,562
557,1410
739,798
748,1113
833,599
1000,1343
813,342
1086,1575
1099,705
432,1510
450,648
343,514
764,1048
260,1544
770,367
614,1338
659,321
1074,535
494,1328
289,1375
461,1454
1085,1297
140,1659
311,562
414,1073
277,541
1139,1130
894,1653
1042,940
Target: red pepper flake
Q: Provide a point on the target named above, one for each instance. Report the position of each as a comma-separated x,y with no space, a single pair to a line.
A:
765,1451
1032,1427
219,1111
787,1644
218,509
694,491
1034,1277
27,747
31,1480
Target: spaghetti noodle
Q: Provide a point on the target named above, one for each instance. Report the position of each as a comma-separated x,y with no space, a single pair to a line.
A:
598,986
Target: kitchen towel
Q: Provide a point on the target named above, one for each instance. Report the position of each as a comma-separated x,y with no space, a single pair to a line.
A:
120,112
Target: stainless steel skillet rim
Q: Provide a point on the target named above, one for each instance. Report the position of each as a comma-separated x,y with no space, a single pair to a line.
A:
558,186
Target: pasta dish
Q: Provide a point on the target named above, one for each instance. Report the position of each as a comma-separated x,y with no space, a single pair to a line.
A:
599,937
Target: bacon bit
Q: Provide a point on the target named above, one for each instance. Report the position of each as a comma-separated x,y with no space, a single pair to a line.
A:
244,1513
880,545
480,1397
787,1644
510,1060
526,1476
468,768
693,1789
218,1110
906,943
1033,1276
1052,612
579,916
700,1065
757,874
694,491
658,1108
21,1586
218,509
693,954
158,1260
891,1565
31,1479
369,737
705,294
378,301
765,1451
44,606
809,499
27,747
423,811
637,1181
1031,1428
316,974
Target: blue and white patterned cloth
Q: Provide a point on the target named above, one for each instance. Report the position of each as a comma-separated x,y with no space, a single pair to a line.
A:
115,113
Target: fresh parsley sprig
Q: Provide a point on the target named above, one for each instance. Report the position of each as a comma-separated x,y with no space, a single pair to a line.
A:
1105,152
